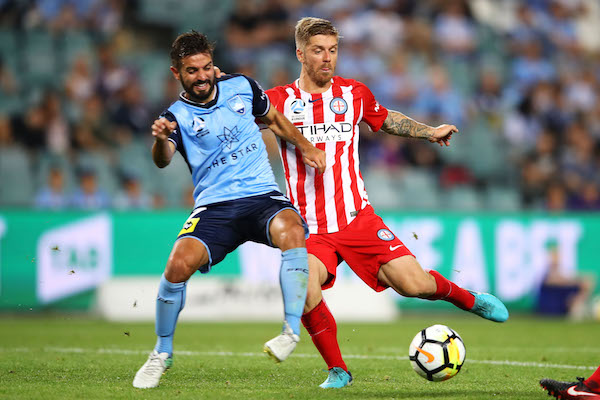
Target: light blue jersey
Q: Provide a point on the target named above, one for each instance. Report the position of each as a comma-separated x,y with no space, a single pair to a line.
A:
221,142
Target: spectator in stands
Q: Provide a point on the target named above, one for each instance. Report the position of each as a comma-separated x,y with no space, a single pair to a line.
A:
438,100
130,110
530,67
454,30
556,197
52,196
88,196
29,128
80,81
55,124
396,86
131,196
562,293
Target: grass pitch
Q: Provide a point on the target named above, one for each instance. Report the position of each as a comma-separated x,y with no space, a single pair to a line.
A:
70,357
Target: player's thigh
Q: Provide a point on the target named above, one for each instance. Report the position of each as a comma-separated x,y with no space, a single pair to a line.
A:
272,220
322,254
286,230
214,229
406,276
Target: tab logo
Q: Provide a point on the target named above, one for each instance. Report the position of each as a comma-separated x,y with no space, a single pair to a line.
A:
74,258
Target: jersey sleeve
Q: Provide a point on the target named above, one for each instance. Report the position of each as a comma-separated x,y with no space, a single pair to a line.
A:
260,100
175,136
373,113
274,97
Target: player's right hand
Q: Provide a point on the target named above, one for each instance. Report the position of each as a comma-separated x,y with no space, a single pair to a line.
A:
162,128
315,158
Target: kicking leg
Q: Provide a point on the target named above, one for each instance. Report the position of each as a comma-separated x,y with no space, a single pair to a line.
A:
406,276
187,256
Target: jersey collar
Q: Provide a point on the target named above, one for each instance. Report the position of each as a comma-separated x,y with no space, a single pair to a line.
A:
202,105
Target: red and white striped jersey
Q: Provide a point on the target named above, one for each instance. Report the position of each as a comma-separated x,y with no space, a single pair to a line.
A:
329,120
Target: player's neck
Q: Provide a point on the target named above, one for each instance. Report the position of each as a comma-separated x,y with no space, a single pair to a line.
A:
310,86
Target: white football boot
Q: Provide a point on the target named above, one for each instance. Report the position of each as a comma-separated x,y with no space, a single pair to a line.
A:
149,375
280,347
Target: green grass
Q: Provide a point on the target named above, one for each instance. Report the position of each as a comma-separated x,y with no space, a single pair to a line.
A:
70,357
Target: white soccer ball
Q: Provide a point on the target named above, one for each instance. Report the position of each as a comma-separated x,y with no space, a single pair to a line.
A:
437,353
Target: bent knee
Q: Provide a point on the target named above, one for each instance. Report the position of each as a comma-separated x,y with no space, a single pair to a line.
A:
180,268
290,237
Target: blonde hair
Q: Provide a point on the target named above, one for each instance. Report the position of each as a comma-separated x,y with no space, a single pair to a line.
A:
308,27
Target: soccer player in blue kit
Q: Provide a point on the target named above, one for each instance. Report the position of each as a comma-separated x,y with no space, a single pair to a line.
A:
212,125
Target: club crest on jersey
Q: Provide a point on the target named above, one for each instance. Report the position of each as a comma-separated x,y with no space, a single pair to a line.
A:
385,234
338,105
237,104
199,126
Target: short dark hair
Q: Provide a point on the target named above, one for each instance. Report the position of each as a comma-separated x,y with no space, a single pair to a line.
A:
188,44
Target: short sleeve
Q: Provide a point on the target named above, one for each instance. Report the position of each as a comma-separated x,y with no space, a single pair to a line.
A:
260,100
175,136
374,114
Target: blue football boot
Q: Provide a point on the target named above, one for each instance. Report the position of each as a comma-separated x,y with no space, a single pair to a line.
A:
489,307
338,378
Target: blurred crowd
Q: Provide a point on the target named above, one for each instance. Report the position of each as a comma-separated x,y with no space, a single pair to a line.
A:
81,81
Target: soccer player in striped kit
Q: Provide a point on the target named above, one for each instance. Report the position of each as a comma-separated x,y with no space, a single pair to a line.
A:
343,226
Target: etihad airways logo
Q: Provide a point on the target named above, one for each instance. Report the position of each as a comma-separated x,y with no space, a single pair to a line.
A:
329,132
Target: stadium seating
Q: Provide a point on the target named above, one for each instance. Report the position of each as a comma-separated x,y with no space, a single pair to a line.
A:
419,189
463,198
16,177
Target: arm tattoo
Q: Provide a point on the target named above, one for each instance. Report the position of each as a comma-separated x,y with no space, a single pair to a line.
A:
399,124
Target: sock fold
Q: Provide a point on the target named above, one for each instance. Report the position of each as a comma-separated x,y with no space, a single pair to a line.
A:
452,293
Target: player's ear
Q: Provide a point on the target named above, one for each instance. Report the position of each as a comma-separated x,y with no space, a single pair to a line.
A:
175,72
300,55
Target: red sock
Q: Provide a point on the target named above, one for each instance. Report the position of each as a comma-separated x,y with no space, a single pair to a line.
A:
449,291
323,331
593,382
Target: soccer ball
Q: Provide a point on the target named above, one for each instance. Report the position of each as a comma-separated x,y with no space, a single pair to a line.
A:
437,353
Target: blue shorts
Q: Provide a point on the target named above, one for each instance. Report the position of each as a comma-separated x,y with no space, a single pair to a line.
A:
222,227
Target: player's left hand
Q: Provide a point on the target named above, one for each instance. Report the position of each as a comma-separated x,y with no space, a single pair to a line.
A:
315,158
442,134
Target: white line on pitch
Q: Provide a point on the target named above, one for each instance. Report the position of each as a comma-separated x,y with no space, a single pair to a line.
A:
300,355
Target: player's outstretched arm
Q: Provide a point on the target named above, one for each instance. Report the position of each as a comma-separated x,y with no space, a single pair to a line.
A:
282,127
399,124
162,149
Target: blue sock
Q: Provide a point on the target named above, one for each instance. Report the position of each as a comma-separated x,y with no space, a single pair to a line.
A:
170,301
293,278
